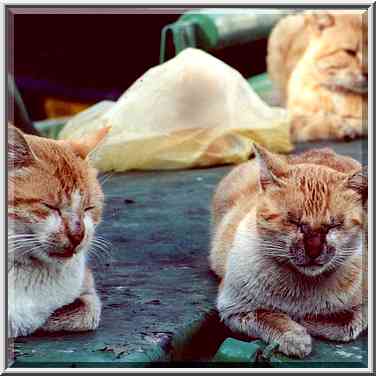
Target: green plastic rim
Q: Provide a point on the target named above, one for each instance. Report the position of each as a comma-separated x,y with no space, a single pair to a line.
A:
207,33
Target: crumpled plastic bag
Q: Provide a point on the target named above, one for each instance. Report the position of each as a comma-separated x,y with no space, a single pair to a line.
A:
192,111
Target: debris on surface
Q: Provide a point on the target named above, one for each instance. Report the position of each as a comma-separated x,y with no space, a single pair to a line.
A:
118,350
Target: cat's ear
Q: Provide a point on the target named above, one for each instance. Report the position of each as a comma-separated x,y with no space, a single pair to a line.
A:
359,182
319,20
84,146
272,168
20,154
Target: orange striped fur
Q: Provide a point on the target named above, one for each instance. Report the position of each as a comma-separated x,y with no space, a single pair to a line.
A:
54,203
288,242
319,62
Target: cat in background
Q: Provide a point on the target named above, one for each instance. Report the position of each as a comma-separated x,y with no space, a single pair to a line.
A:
288,242
318,61
54,205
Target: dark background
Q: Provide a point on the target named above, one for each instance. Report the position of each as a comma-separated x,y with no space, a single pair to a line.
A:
91,57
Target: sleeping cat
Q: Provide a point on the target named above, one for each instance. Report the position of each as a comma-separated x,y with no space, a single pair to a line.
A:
288,243
54,204
319,62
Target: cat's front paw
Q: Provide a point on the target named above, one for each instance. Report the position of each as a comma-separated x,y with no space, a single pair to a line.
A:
350,130
23,325
296,342
344,334
81,315
342,327
350,134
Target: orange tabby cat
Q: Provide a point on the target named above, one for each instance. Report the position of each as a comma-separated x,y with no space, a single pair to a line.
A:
319,61
286,45
288,245
54,204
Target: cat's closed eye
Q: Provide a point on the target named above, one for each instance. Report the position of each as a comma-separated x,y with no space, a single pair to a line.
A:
89,208
293,220
350,52
334,224
51,207
303,227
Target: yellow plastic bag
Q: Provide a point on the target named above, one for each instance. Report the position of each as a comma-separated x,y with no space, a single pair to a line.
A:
192,111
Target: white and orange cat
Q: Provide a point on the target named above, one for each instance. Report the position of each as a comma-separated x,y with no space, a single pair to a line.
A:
318,61
289,244
54,204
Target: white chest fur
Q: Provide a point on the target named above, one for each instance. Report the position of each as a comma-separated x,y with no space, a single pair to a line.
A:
251,283
36,290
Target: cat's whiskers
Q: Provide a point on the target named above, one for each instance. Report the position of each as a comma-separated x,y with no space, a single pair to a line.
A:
347,251
16,242
24,255
100,249
276,252
29,245
14,247
105,177
20,236
103,241
105,244
21,240
100,257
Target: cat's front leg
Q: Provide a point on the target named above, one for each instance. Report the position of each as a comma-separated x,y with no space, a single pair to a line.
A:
24,317
320,126
81,315
293,338
343,326
353,127
21,326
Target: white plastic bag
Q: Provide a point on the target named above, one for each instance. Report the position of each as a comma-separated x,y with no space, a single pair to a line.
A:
192,111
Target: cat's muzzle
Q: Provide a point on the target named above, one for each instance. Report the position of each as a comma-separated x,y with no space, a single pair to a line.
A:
312,251
71,245
64,253
68,251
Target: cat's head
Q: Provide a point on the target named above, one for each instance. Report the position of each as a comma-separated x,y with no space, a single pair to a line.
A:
338,49
54,198
309,216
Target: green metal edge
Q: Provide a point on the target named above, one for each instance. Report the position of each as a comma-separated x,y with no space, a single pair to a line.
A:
197,342
207,32
261,83
50,128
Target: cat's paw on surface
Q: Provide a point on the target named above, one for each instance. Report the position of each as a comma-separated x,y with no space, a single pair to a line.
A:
342,327
351,130
296,342
350,134
346,333
81,315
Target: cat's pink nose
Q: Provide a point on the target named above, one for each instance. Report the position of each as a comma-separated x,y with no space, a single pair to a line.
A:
77,233
314,245
76,239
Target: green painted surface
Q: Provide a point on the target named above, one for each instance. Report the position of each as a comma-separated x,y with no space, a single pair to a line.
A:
51,127
156,280
235,351
261,83
216,28
157,291
329,354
